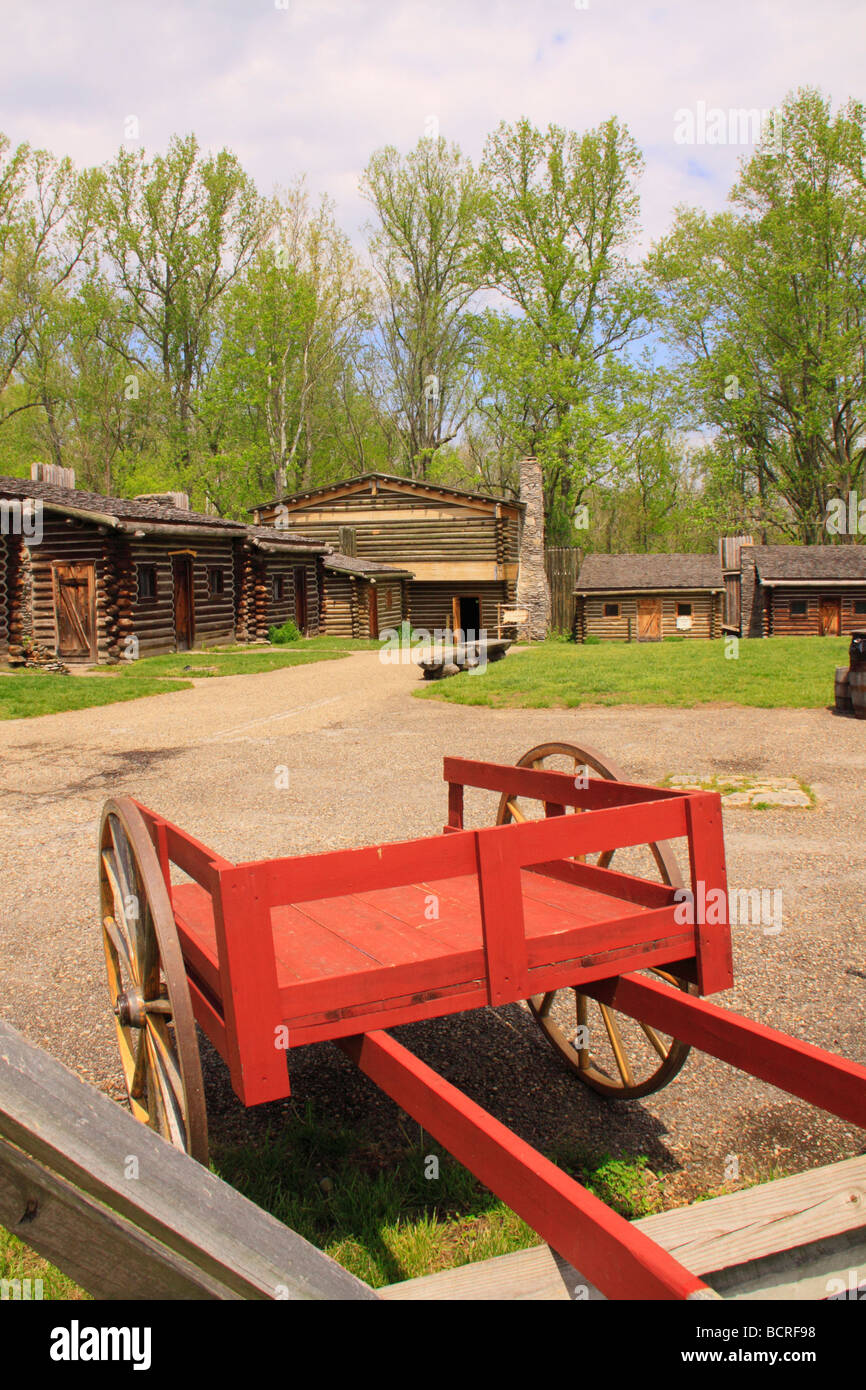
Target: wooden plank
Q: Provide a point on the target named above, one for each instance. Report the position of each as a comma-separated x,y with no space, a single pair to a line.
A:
65,1152
708,871
830,1082
502,922
559,787
622,1261
780,1240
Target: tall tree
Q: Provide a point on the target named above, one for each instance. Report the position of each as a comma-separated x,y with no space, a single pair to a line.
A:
178,230
426,206
766,303
557,216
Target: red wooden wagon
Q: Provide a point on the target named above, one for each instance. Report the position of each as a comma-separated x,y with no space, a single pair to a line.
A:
272,955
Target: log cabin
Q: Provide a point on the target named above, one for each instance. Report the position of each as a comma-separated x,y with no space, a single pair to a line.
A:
4,601
109,578
362,598
646,598
802,590
461,547
278,579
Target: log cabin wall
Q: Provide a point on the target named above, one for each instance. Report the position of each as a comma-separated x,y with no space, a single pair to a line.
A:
152,614
430,605
440,538
4,597
590,618
19,601
66,542
782,616
389,602
341,608
214,612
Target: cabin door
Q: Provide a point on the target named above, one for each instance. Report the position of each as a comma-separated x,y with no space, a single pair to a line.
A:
466,615
75,610
649,619
301,600
831,617
184,615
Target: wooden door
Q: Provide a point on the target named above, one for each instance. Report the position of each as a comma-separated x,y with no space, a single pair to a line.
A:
184,613
373,609
301,600
649,619
75,610
831,617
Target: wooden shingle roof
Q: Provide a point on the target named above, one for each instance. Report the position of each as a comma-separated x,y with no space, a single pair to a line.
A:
621,573
350,564
810,563
122,509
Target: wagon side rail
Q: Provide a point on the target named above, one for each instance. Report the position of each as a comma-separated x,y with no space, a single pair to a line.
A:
245,1022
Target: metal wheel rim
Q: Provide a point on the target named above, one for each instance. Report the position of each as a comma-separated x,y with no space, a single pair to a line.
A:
580,1061
147,984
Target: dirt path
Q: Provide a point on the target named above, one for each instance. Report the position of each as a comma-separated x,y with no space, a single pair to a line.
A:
364,764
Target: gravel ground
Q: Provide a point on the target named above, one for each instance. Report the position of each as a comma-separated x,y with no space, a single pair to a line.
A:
364,763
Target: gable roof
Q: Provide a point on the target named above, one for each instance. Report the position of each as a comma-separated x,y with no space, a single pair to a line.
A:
809,563
618,573
393,483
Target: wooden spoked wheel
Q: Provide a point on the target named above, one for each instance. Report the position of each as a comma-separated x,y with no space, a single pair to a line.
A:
147,984
616,1055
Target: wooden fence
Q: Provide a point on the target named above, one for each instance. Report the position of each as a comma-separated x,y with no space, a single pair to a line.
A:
562,564
126,1215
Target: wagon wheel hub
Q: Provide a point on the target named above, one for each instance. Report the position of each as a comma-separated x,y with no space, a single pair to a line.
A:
130,1009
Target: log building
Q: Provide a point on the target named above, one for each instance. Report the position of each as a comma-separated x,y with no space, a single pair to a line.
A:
645,598
362,598
110,578
461,547
802,590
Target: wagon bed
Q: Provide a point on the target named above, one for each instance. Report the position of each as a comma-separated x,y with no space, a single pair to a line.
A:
275,954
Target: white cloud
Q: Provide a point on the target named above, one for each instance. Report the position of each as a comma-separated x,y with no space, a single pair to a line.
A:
317,87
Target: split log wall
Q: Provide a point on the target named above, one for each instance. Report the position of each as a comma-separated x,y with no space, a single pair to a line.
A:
590,617
4,597
430,604
779,621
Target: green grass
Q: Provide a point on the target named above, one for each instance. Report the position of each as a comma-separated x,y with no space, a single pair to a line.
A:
242,661
18,1261
24,694
381,1217
777,672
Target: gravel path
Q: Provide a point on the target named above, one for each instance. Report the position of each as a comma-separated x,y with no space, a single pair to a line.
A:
364,762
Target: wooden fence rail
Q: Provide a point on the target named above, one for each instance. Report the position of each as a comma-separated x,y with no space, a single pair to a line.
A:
126,1215
562,564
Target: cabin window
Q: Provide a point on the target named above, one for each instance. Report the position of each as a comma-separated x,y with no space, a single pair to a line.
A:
798,608
684,610
147,582
278,587
611,610
860,605
216,582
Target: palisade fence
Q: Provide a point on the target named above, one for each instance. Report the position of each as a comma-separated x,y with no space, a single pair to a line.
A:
562,564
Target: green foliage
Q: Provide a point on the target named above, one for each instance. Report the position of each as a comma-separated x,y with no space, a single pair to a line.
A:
288,632
592,639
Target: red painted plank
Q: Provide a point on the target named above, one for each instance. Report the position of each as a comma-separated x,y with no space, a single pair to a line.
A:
617,1258
831,1082
607,881
502,920
557,787
410,1008
707,864
248,987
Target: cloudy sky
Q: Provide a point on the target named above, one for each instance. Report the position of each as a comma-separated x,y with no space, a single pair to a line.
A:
313,86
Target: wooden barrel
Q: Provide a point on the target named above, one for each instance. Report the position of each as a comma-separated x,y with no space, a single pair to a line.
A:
857,686
843,692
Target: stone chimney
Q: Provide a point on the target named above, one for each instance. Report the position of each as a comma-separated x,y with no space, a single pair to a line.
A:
533,592
178,500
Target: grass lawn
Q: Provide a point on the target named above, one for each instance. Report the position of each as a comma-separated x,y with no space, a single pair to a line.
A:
242,661
27,693
384,1217
777,672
